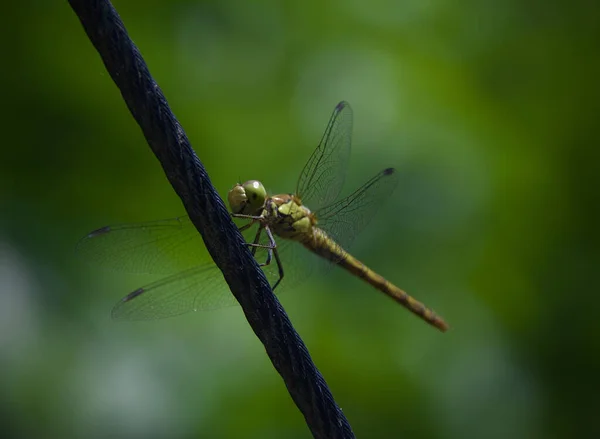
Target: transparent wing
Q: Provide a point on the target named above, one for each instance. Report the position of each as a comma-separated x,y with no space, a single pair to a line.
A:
165,247
323,176
160,247
199,288
203,288
346,218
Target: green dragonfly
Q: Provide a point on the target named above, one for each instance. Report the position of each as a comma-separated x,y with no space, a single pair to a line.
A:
327,232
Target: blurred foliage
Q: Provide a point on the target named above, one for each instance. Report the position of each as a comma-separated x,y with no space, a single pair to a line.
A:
487,109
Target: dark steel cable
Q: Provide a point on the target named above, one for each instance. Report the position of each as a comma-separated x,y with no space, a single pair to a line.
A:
207,211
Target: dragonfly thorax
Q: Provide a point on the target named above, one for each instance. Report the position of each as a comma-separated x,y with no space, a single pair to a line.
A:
247,198
289,218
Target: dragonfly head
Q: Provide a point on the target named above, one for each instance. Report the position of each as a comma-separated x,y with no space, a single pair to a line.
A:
247,198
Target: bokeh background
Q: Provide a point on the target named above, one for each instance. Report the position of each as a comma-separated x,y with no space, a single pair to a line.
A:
489,111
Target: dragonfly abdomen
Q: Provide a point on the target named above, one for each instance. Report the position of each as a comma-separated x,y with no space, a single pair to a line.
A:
325,247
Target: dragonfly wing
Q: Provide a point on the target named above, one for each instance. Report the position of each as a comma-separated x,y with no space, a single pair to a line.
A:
323,176
161,247
199,288
346,218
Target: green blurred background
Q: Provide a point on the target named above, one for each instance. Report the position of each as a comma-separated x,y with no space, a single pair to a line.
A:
489,111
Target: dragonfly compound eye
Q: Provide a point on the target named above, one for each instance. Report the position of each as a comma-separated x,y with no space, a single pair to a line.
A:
255,195
237,199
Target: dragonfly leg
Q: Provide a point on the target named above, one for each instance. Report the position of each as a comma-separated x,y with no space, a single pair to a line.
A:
269,253
276,253
271,249
254,246
256,239
251,244
252,217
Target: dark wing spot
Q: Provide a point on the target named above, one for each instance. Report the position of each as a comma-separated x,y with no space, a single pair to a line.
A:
99,232
340,105
133,295
389,171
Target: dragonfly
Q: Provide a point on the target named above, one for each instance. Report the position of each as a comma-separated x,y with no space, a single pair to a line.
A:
290,243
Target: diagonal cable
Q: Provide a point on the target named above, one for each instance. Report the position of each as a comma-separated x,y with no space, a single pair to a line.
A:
188,177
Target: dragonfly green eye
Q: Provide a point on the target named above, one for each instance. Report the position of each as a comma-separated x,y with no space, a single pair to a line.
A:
247,198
